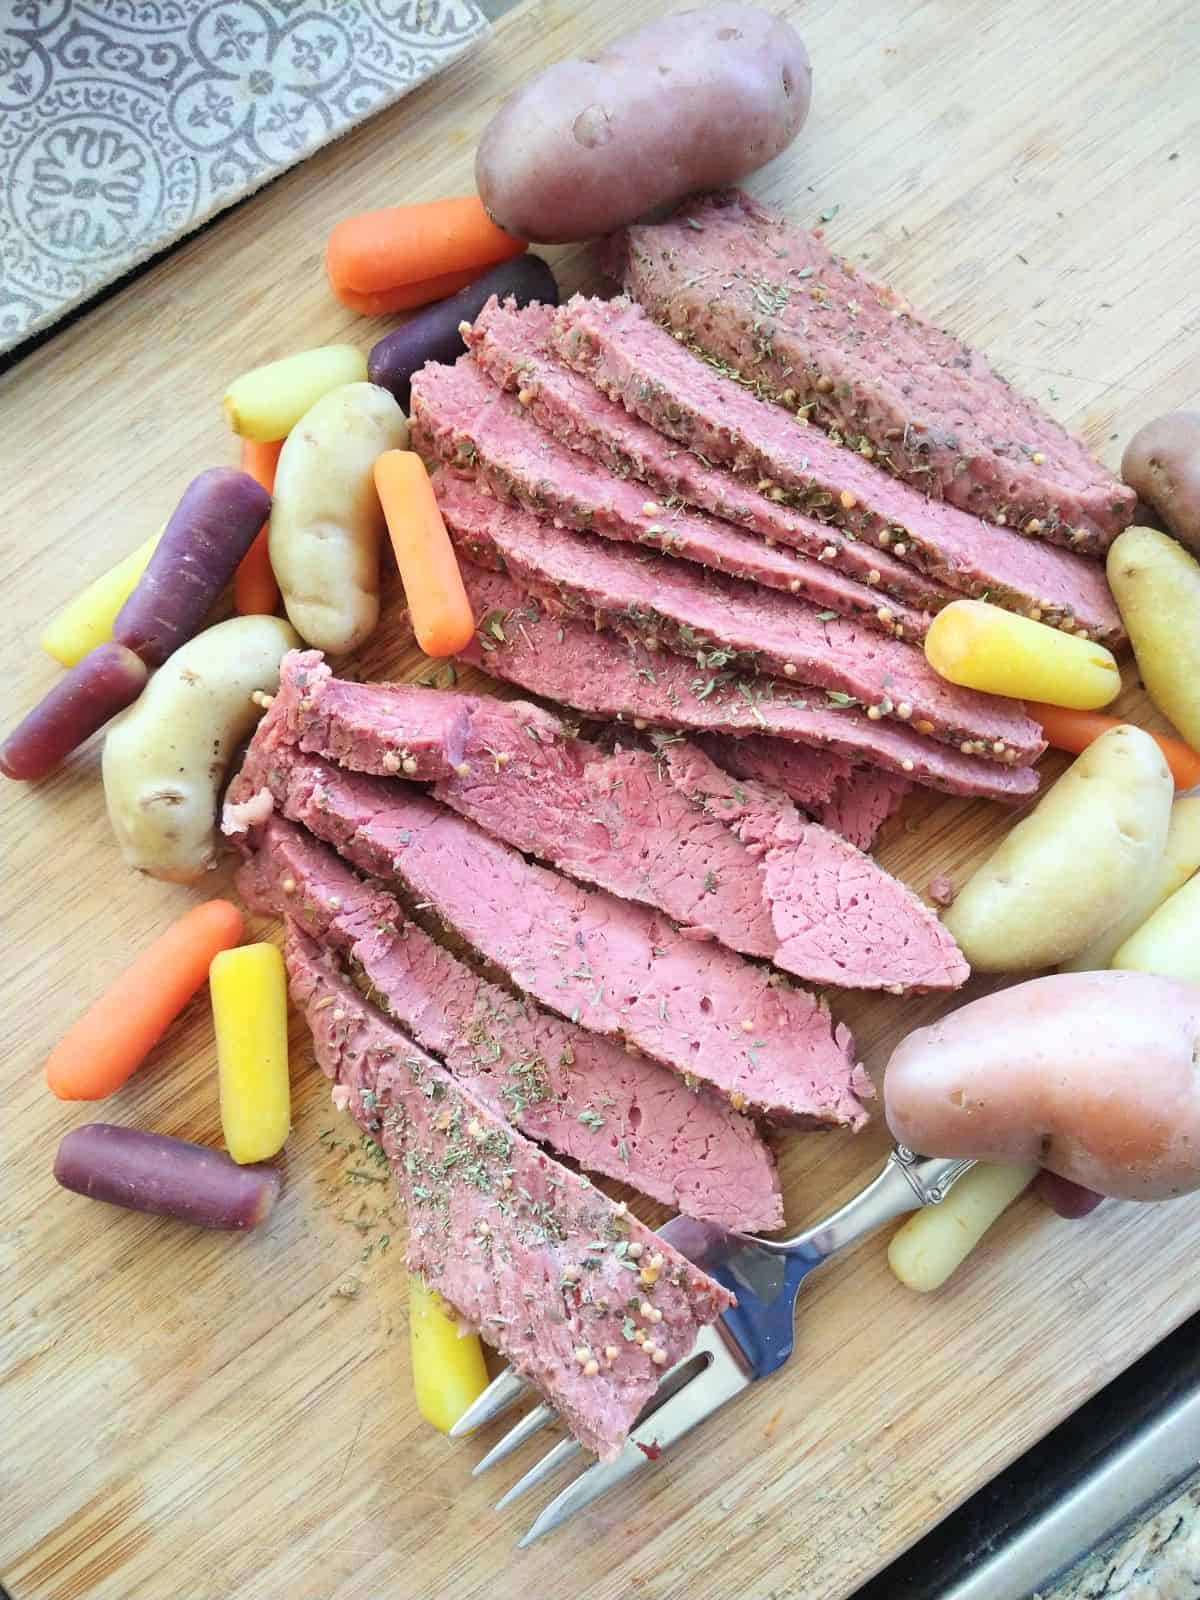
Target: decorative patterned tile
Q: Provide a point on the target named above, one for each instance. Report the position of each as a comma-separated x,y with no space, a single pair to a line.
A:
124,124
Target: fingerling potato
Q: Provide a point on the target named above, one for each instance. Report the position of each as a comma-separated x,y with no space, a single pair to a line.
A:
1169,941
1156,584
326,520
693,101
1066,871
165,758
1180,859
1090,1074
1162,462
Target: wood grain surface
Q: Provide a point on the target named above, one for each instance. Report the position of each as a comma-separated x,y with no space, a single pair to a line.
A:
201,1415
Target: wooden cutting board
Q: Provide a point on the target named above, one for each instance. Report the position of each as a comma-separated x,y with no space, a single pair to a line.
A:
205,1415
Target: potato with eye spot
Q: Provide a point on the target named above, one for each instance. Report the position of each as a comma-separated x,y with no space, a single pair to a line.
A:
1069,869
1162,462
693,101
165,758
1093,1075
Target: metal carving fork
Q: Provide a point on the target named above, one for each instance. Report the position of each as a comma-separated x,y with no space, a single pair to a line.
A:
745,1344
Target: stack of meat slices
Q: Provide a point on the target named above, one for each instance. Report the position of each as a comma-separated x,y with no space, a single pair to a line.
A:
632,924
649,538
719,521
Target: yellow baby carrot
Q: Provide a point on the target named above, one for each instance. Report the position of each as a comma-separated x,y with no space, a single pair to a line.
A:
249,1001
267,402
448,1371
87,621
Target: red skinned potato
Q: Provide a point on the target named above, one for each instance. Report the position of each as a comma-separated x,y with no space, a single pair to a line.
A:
1091,1074
694,101
1162,462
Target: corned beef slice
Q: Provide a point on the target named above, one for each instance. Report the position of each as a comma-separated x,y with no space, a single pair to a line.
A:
613,967
676,833
510,345
523,1249
808,775
718,620
415,737
584,1096
522,642
753,289
862,803
459,415
839,917
631,359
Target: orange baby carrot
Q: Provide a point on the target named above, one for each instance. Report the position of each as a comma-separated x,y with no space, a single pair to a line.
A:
378,251
437,602
1075,730
422,293
114,1036
254,588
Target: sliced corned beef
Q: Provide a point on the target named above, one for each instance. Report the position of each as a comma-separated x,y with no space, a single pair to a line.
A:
862,803
418,735
598,673
460,416
584,1096
718,620
610,966
673,832
510,344
853,800
753,289
631,359
533,1255
839,918
810,776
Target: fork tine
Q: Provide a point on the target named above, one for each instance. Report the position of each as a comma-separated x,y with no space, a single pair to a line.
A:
532,1422
550,1462
502,1392
723,1377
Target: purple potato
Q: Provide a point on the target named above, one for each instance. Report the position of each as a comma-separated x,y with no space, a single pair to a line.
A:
210,531
108,679
166,1177
432,335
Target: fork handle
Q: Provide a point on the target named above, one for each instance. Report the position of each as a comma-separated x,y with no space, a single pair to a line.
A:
908,1182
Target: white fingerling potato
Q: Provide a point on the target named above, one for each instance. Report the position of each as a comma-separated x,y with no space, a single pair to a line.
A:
267,402
1168,943
326,520
1066,872
165,758
1156,584
1180,858
935,1241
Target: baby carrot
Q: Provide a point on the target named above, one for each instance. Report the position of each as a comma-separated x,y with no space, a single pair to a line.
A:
87,621
255,591
437,602
114,1036
1075,730
383,302
403,245
249,1002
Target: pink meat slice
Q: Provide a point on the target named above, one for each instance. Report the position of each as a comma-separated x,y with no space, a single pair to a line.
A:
755,290
584,1096
633,360
809,775
461,417
523,641
531,1254
511,345
718,620
862,803
615,968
